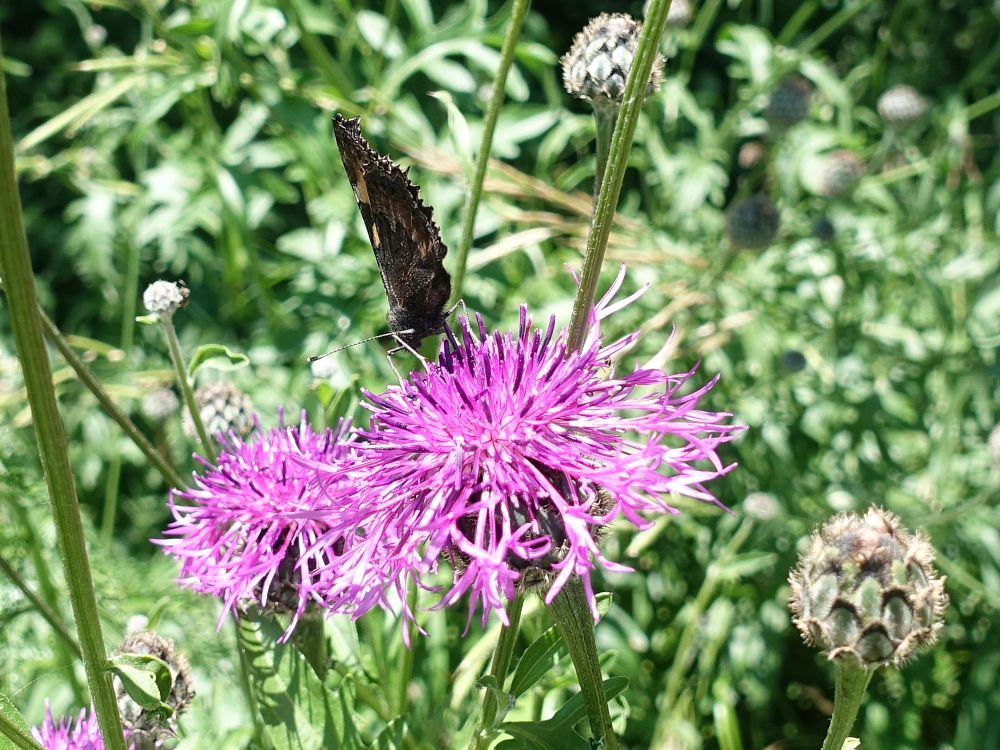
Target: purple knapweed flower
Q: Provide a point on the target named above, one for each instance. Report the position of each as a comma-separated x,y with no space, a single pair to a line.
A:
84,734
237,540
507,457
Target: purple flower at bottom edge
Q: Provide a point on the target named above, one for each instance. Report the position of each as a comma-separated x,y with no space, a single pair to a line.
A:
509,455
238,541
84,735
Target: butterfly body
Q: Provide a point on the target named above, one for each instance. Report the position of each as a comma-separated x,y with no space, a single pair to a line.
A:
407,243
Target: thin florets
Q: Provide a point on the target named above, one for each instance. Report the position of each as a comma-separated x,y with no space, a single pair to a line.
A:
239,539
510,454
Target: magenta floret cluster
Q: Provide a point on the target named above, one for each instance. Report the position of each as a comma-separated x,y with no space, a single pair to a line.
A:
237,534
507,454
67,734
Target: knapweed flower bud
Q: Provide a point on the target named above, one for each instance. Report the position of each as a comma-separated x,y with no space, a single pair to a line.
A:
224,408
823,229
143,728
679,14
753,222
761,506
792,360
842,171
597,65
159,404
164,297
789,104
901,105
865,590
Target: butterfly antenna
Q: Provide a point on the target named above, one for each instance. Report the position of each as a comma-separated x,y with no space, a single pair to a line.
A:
317,357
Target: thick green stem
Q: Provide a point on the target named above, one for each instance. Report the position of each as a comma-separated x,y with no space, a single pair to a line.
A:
16,735
15,267
39,604
611,185
207,446
576,626
517,15
502,658
851,684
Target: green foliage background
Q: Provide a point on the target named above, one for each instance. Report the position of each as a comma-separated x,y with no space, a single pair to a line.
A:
192,140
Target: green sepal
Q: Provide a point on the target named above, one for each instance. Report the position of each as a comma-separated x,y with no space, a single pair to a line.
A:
146,679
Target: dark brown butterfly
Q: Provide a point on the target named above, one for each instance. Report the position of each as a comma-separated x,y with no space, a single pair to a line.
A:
407,243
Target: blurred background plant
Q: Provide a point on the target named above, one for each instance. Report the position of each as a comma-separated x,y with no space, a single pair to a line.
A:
859,342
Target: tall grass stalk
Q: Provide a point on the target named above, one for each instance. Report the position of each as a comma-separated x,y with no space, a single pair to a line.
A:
15,266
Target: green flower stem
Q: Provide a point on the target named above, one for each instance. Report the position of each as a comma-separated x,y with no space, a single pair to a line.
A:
851,684
502,658
15,267
611,184
39,604
576,626
407,654
802,14
517,15
831,26
208,447
16,735
605,114
87,377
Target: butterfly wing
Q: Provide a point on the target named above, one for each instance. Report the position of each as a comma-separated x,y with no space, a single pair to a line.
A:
407,243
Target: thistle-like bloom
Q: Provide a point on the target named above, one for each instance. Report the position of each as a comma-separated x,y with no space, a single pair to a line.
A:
507,458
238,540
147,729
83,734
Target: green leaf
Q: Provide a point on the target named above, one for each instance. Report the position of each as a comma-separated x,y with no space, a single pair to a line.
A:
217,357
297,710
538,659
145,678
557,732
747,564
391,736
14,716
458,131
